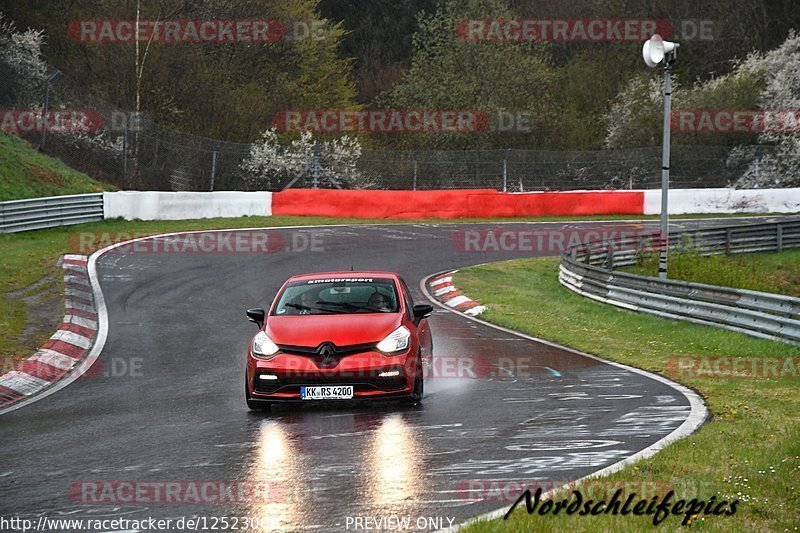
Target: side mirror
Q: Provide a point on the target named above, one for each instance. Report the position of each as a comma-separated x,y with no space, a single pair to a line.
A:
422,311
257,316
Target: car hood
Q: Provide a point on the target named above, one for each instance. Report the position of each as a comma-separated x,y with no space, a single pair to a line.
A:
341,330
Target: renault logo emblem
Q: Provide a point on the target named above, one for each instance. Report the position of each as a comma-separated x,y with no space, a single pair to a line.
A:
326,350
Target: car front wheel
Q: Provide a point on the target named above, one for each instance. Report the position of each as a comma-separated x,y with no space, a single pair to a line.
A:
419,383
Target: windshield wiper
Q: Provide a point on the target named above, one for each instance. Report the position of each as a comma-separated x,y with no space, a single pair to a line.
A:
306,308
348,305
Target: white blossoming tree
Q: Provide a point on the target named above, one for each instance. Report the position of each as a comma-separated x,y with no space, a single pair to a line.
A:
767,81
271,165
22,74
780,69
635,117
22,69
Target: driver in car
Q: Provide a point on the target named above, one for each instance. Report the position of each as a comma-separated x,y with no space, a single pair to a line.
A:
379,301
307,301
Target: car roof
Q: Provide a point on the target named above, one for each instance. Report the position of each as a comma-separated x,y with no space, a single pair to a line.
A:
347,274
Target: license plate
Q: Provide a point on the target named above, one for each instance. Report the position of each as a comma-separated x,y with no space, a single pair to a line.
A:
337,392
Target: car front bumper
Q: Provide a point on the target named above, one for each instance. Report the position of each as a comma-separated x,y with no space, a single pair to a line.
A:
362,371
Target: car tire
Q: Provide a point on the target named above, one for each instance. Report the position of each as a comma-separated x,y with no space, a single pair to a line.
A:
255,405
419,384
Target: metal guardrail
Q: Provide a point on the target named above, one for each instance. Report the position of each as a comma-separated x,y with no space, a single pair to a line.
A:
38,213
589,270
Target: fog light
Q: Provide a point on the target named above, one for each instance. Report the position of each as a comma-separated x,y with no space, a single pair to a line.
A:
268,376
389,374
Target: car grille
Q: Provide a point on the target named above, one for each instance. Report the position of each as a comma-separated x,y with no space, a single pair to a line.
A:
338,351
327,358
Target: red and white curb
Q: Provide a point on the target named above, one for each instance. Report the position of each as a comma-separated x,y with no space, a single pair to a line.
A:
67,348
443,290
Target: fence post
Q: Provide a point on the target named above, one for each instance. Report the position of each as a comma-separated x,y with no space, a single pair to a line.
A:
505,171
125,151
779,237
415,174
50,78
213,166
315,151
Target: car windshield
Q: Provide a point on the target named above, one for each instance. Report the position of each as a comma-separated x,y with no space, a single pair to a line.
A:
338,296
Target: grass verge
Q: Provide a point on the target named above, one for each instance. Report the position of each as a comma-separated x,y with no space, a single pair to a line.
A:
750,450
27,173
777,272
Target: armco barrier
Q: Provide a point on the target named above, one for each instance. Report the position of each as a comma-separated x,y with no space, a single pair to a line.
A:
153,205
21,215
468,203
589,270
38,213
709,201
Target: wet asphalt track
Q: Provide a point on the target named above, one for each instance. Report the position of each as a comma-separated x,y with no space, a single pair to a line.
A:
179,415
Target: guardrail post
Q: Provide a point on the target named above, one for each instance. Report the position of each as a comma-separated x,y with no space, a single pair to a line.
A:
728,241
573,254
779,237
640,249
610,256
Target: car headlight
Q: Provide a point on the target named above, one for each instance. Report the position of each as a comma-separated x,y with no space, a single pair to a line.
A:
263,346
396,341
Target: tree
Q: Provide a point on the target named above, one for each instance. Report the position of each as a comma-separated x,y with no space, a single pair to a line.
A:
219,90
22,69
378,38
635,118
453,73
272,165
780,69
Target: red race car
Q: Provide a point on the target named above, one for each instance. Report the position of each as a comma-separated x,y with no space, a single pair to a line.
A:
339,336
